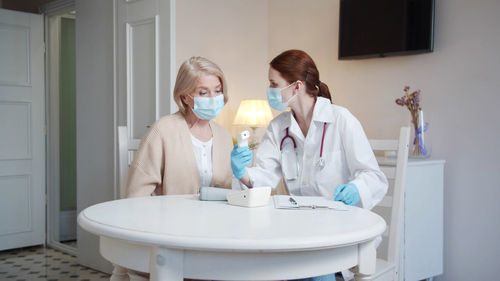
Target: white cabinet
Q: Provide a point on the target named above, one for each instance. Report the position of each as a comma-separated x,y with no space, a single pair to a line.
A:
421,254
422,241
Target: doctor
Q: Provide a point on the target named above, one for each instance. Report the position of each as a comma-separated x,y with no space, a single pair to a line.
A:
318,148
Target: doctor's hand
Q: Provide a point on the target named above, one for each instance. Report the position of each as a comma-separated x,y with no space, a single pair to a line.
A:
241,157
347,193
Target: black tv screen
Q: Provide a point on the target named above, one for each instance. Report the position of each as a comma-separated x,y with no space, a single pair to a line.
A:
379,28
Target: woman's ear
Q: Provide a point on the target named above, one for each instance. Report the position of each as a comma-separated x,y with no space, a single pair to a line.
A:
183,99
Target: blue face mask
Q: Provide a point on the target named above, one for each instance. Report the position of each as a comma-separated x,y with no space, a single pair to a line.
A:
208,108
275,98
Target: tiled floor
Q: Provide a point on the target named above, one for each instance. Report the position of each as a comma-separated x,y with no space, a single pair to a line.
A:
44,264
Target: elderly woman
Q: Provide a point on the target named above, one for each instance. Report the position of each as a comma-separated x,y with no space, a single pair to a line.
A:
186,150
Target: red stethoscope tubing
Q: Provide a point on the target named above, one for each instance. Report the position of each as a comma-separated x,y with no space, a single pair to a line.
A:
295,144
285,137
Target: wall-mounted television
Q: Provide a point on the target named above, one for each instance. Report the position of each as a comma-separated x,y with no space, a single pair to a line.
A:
379,28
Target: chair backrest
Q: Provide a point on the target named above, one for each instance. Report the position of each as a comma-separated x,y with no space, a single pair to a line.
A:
126,150
391,207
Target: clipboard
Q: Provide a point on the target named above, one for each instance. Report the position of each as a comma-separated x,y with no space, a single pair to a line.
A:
306,202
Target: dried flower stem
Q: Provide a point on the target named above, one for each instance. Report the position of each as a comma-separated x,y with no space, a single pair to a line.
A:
412,102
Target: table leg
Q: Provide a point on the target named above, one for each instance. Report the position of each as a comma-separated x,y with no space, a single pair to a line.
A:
367,255
166,264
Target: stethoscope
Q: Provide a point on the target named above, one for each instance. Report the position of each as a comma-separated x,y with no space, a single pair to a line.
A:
321,161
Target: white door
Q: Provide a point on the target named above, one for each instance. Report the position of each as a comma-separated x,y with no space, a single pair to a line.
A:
22,138
145,64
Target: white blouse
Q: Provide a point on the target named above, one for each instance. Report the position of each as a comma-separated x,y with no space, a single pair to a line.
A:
203,155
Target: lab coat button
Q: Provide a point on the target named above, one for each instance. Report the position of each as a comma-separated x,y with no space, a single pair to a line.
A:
304,182
308,155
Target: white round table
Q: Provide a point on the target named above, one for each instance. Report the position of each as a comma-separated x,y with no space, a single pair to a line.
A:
176,237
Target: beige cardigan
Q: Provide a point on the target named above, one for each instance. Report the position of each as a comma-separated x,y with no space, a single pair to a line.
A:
165,163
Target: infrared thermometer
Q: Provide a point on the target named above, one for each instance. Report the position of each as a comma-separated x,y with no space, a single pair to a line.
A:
243,138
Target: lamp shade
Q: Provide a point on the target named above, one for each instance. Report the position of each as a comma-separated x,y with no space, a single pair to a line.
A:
253,113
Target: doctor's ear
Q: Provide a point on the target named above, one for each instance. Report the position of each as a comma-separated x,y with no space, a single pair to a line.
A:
298,85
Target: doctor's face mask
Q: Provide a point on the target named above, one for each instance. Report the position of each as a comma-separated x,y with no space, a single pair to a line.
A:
275,98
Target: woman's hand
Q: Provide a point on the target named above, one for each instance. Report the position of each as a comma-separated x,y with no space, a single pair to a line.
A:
241,157
347,193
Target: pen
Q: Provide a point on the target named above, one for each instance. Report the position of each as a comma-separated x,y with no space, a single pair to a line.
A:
293,201
314,207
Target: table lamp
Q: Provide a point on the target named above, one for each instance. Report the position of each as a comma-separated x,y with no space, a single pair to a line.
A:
253,113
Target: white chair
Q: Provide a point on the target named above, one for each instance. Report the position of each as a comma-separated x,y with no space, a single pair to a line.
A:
391,207
126,150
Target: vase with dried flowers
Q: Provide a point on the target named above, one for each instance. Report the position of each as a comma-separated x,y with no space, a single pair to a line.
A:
412,102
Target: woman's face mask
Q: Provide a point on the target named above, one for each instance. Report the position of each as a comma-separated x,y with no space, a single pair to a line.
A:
275,98
208,108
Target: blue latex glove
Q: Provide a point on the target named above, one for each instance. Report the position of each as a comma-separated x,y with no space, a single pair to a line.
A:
241,157
347,193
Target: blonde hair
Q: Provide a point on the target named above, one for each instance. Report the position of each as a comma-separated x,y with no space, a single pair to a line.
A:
188,75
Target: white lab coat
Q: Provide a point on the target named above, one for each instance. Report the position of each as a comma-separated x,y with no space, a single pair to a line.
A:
346,151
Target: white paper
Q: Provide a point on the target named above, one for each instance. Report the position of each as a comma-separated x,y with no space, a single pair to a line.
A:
306,202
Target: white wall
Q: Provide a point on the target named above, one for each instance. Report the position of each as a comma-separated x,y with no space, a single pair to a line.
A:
460,91
233,34
94,117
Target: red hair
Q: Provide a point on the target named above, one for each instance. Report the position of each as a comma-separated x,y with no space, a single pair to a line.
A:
296,65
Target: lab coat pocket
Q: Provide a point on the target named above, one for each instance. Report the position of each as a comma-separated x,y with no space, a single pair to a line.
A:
289,165
330,175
